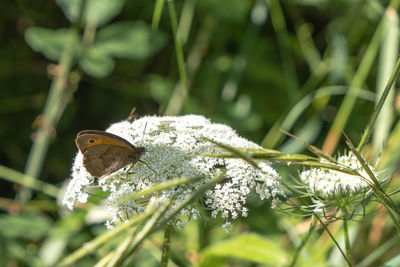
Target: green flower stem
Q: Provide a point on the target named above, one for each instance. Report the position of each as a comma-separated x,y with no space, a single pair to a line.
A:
333,239
166,246
51,113
303,242
346,233
315,215
358,80
181,90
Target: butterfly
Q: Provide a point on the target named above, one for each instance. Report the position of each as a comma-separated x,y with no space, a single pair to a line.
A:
105,153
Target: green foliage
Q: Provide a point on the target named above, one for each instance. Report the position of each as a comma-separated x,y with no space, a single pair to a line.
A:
49,42
128,40
95,12
28,226
118,40
248,247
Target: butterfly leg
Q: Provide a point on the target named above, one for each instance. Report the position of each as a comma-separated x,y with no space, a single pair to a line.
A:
128,172
148,166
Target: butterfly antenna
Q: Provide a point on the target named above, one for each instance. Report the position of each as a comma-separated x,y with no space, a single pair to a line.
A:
148,166
144,130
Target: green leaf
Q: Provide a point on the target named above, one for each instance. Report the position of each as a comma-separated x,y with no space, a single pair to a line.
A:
70,8
129,40
98,12
228,10
48,42
27,226
96,63
59,235
249,247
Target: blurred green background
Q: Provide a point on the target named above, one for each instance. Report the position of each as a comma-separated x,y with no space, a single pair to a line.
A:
251,64
243,70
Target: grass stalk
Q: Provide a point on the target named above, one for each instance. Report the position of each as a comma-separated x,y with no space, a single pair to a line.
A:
102,239
181,90
358,80
150,224
289,70
28,181
387,62
157,14
368,129
51,113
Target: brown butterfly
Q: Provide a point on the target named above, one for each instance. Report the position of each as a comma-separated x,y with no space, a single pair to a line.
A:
105,153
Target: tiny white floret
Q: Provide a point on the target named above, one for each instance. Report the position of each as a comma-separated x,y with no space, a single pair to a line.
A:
176,147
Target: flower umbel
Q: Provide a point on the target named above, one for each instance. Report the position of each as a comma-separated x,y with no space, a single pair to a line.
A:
335,185
176,147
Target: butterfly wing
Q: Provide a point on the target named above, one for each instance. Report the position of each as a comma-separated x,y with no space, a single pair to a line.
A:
106,159
105,153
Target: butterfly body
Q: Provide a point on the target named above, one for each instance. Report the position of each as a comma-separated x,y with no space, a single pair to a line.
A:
105,153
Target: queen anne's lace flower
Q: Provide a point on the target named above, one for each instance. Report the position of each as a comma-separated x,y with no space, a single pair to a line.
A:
176,147
331,184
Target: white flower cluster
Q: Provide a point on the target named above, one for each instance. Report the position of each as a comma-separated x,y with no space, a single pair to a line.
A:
175,147
331,184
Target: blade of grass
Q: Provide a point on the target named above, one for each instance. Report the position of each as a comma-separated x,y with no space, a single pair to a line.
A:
120,250
157,14
102,239
288,65
194,196
311,148
358,80
289,159
186,20
159,187
391,207
272,139
28,181
128,248
387,62
379,106
156,225
181,90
